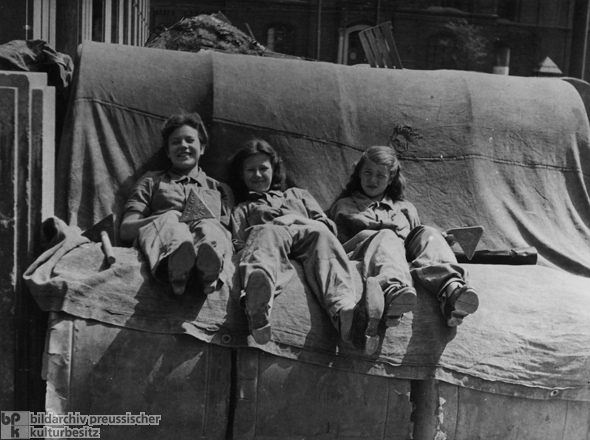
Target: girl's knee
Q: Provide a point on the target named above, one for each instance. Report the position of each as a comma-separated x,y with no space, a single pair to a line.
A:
386,234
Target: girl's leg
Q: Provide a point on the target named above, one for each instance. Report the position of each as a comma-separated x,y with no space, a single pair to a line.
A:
327,271
433,264
383,257
213,249
168,246
264,269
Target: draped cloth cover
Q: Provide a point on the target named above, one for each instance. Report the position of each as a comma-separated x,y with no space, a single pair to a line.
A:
511,154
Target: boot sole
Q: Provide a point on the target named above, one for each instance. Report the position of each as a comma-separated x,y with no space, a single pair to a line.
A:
374,305
180,263
405,301
209,263
259,292
466,303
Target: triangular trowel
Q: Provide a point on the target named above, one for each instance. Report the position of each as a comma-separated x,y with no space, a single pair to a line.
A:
195,209
468,238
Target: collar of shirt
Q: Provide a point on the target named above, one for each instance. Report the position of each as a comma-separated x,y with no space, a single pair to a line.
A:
363,202
268,196
195,176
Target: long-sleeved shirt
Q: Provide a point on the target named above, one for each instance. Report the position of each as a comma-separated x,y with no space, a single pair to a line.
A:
401,213
263,208
162,191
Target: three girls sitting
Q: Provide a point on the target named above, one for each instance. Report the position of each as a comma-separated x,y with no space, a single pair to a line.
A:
272,225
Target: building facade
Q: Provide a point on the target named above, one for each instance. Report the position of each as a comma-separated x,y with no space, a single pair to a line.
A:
429,34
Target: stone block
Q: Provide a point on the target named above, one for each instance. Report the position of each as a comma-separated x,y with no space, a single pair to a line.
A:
27,130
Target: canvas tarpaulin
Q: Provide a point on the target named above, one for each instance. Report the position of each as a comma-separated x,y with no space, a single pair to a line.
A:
510,154
521,342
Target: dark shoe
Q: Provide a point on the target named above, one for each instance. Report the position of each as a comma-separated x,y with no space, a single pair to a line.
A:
209,265
180,265
345,319
374,305
461,302
398,302
259,295
366,316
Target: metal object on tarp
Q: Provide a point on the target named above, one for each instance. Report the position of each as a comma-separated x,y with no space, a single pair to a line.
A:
514,256
196,208
104,232
468,238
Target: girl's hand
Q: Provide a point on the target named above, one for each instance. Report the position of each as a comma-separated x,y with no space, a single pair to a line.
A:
450,238
294,219
359,222
133,221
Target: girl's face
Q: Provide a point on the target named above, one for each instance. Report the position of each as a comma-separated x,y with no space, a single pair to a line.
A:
257,173
184,149
375,178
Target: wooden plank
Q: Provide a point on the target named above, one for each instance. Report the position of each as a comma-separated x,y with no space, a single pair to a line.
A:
367,48
388,36
382,47
379,46
375,47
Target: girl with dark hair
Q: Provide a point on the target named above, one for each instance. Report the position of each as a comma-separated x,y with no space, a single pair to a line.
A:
272,225
382,229
180,216
251,148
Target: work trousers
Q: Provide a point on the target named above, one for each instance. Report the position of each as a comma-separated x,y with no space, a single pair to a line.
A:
166,233
424,256
325,264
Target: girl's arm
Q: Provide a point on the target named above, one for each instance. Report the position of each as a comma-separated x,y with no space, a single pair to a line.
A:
137,208
360,222
227,203
238,226
133,221
315,212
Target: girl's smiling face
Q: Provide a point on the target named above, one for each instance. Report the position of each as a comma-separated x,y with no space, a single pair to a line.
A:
257,173
375,178
184,149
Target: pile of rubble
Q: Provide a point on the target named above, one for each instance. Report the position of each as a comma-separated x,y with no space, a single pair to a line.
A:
213,32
